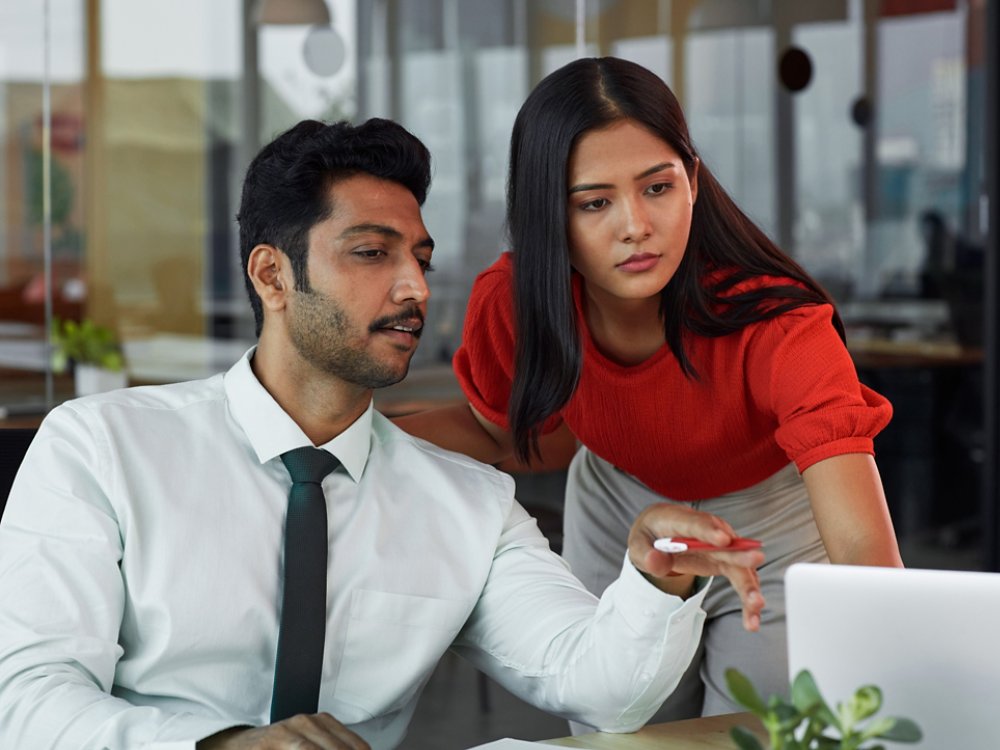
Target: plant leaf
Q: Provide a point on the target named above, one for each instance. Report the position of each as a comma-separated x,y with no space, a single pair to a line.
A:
805,693
112,360
866,700
744,692
59,361
903,730
85,342
744,739
787,715
877,728
806,688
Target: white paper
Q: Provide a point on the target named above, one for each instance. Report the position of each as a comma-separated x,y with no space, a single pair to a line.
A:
509,744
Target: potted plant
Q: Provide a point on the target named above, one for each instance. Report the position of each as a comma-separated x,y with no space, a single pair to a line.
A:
808,723
93,351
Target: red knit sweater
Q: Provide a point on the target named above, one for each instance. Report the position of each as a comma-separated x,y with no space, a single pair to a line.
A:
778,390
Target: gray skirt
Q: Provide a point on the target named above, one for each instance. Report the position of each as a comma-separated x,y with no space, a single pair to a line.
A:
601,504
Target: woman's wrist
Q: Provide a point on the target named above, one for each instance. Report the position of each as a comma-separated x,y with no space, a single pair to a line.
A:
677,584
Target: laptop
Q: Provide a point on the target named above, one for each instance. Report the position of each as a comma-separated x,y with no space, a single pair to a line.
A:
930,639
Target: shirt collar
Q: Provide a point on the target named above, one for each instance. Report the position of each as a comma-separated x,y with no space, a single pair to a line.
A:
271,431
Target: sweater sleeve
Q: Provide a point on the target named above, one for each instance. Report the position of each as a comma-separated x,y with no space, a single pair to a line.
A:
800,371
484,363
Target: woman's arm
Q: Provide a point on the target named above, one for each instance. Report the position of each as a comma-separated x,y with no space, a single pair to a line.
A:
851,511
462,429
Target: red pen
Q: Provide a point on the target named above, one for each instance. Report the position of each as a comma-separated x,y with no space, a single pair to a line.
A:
684,543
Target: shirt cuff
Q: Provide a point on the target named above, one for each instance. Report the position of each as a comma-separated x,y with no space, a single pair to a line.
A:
666,629
185,731
645,607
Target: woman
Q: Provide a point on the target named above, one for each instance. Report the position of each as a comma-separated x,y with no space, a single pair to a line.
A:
693,360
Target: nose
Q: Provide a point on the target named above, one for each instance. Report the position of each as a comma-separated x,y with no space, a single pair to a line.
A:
410,284
636,225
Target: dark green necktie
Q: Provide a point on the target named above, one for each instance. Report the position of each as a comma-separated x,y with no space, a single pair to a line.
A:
302,633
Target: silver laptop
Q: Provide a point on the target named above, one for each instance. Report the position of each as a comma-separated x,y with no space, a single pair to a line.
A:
930,639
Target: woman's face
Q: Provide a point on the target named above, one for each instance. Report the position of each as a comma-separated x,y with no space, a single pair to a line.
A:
629,211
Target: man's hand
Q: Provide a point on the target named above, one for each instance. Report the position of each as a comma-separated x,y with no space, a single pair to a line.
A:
313,731
666,520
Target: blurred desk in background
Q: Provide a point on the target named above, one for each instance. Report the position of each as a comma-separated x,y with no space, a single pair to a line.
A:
869,353
172,358
930,455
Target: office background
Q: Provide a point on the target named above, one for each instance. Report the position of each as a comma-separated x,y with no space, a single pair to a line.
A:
855,132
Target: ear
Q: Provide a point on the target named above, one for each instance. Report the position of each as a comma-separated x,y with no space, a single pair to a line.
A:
694,180
271,275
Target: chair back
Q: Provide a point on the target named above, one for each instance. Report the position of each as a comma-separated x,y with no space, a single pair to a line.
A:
14,442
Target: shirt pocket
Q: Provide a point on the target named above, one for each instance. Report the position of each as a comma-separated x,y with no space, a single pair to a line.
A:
392,645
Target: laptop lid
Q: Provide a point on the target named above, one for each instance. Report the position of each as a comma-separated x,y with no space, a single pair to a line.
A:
930,639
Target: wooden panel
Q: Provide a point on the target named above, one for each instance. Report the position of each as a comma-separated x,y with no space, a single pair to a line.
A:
710,733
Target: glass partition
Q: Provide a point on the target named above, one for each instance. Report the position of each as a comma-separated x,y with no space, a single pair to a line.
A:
42,191
870,171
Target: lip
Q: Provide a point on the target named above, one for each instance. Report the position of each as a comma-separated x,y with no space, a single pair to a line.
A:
406,338
638,263
398,334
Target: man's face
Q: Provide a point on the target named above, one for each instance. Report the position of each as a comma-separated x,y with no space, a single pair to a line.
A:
364,313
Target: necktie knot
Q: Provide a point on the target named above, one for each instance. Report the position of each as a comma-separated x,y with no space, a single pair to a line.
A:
308,464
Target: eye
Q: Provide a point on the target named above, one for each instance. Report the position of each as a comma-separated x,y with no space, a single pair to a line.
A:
372,253
595,205
425,266
659,188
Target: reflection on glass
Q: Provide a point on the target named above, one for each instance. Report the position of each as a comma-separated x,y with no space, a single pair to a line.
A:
828,233
730,108
23,288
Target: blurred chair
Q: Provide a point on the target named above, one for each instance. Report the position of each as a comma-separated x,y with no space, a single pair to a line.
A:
14,444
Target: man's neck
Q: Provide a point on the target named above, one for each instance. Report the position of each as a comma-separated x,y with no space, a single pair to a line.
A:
322,405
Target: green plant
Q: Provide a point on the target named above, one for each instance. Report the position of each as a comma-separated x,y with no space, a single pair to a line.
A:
84,343
806,723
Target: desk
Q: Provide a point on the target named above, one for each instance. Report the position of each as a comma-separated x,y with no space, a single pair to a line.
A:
711,733
931,454
884,353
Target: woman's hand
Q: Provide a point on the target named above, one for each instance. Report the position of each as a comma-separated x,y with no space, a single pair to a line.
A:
674,572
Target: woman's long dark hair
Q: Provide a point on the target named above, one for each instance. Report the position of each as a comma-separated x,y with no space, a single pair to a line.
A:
590,94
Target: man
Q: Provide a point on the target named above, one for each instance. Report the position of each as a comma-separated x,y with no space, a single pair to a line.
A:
142,600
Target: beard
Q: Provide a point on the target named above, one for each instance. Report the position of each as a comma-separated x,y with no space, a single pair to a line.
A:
324,336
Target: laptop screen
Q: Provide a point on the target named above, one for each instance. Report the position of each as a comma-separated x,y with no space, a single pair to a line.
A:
929,639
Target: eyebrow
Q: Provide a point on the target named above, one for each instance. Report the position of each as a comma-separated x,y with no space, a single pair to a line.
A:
604,186
384,230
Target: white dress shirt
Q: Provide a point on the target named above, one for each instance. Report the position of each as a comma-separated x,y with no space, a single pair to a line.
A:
140,580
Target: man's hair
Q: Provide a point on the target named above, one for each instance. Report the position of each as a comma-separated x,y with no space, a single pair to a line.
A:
287,186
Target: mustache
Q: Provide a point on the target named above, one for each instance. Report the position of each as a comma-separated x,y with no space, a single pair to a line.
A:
406,317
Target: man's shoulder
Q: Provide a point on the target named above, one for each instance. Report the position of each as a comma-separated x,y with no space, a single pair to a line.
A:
136,421
150,399
400,445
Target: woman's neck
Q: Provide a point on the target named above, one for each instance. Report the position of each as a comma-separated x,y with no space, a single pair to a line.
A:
626,331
